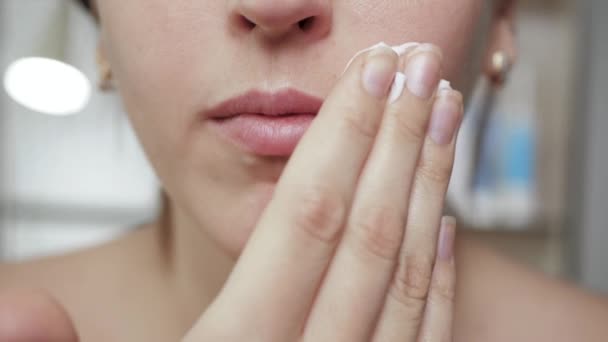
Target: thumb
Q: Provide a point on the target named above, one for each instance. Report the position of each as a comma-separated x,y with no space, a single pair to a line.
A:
28,316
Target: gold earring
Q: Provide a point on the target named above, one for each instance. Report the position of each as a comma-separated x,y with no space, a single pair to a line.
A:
105,74
501,67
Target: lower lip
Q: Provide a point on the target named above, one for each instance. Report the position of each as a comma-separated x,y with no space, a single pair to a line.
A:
265,135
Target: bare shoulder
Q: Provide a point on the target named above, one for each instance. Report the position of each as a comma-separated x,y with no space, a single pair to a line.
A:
68,274
33,273
35,298
500,300
100,289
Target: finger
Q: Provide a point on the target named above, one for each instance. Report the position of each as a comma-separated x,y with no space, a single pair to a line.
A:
34,316
438,313
279,270
354,289
407,294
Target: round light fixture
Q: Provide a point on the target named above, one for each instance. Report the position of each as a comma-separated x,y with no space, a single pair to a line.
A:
47,85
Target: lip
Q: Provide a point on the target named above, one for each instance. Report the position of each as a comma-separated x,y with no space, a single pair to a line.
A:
263,123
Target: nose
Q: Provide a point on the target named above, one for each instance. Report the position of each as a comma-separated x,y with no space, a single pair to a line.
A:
277,19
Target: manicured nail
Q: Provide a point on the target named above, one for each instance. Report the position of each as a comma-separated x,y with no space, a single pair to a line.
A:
423,70
379,71
445,117
447,235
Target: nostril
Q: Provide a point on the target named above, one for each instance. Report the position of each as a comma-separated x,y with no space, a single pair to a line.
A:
246,23
306,24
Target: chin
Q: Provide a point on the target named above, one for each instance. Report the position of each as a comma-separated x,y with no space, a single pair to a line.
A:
234,237
237,223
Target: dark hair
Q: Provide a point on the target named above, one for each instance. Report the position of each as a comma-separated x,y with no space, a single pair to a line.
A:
86,4
89,6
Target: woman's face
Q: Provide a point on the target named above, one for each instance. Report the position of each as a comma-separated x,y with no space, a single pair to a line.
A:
175,60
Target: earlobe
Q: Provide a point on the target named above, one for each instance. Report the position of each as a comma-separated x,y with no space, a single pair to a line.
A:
104,68
502,52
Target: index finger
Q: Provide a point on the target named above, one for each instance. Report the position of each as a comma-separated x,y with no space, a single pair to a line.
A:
284,261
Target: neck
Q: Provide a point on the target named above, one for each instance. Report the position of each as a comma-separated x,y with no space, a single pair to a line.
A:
196,267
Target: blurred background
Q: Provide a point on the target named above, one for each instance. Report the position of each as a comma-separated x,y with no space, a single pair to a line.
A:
531,160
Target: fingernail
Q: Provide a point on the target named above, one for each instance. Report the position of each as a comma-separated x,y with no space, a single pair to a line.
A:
423,70
445,117
425,47
447,237
403,49
379,71
362,52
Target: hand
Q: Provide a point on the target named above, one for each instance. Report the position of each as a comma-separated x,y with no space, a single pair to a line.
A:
34,316
347,249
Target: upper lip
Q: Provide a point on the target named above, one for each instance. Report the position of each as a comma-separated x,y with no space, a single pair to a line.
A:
284,102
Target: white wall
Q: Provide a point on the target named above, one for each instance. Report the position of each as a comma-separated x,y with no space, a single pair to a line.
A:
71,181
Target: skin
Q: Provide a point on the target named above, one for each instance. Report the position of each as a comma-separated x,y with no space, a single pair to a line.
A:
162,282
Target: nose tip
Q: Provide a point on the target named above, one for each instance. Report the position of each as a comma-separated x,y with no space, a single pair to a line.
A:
275,19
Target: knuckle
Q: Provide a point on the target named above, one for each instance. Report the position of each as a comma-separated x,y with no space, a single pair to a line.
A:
436,171
413,279
411,129
442,292
378,230
361,124
320,213
429,195
443,288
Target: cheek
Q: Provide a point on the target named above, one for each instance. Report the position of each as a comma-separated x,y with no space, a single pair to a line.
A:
154,46
178,55
447,23
173,55
173,48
